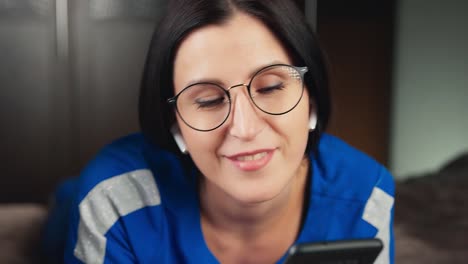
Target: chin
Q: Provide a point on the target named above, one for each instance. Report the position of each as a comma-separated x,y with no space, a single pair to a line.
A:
254,195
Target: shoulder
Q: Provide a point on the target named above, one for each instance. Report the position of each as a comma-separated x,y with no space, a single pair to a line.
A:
131,173
352,194
120,157
128,158
123,154
343,171
119,182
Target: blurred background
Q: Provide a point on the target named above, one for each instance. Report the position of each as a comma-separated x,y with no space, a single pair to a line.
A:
70,72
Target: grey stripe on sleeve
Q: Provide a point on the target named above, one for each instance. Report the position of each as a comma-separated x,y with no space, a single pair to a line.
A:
378,213
105,204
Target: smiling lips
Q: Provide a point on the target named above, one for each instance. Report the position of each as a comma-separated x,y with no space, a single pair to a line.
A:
251,161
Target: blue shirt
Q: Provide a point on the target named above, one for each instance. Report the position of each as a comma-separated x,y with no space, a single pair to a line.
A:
134,203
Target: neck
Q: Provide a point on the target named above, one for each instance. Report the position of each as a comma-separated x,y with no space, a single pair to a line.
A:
227,222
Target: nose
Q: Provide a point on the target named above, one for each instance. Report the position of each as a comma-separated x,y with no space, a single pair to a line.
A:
245,123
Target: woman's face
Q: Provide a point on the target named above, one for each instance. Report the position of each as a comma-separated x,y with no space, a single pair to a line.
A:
253,156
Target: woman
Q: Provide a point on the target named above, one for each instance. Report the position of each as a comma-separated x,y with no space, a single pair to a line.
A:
232,165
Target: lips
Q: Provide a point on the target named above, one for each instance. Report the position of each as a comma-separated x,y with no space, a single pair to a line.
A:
252,161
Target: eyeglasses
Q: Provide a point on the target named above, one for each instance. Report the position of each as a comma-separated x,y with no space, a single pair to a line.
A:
275,90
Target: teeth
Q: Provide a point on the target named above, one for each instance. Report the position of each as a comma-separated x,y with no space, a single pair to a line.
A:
252,157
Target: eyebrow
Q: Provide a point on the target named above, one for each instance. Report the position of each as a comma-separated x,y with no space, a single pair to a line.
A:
222,84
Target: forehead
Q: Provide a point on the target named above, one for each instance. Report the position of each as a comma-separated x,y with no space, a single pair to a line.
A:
227,52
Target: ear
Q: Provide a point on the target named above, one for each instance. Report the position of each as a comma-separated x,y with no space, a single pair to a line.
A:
312,121
179,140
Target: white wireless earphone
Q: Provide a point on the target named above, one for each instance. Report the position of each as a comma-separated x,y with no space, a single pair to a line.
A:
179,139
312,121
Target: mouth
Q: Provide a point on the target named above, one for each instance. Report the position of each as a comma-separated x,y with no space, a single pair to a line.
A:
252,161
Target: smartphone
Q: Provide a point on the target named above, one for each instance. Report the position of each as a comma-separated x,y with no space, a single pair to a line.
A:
361,251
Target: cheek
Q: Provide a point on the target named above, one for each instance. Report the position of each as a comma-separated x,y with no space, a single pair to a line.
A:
198,143
298,131
293,131
202,146
295,125
203,149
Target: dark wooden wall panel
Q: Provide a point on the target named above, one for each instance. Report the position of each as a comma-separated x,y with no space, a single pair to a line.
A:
358,39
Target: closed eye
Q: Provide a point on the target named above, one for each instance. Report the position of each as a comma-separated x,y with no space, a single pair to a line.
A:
201,103
270,89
